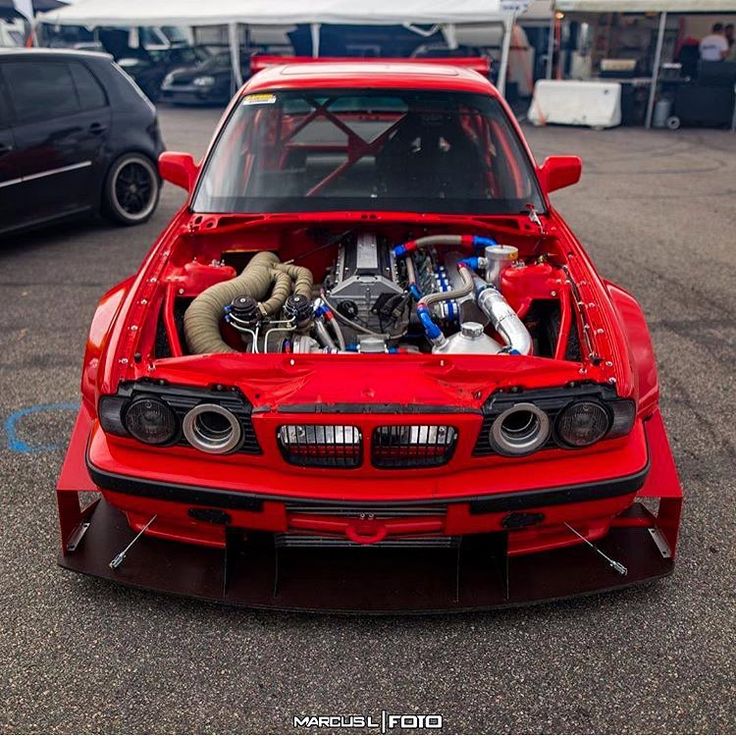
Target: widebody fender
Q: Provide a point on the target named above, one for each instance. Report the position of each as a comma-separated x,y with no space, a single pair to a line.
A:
641,349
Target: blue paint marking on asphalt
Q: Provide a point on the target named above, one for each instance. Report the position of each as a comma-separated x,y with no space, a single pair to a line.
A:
15,443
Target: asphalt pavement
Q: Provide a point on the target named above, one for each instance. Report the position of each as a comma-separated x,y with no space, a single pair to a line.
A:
656,210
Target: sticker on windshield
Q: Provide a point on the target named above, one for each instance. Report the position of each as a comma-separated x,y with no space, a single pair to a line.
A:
262,99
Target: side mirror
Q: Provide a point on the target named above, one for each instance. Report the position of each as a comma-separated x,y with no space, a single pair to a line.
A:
558,172
178,168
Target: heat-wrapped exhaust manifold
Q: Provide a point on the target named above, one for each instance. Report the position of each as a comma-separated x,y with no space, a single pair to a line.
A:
264,276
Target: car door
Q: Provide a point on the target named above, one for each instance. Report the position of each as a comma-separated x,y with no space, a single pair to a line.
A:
61,124
9,179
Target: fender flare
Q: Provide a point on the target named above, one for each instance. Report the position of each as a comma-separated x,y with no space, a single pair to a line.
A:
104,317
641,350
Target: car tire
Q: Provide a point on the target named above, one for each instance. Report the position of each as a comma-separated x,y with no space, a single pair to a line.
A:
673,122
132,189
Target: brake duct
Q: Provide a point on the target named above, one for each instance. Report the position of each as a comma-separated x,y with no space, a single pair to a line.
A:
264,279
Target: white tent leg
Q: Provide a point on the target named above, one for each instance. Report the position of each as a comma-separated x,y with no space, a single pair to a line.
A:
314,29
450,35
25,8
508,29
655,71
232,32
551,43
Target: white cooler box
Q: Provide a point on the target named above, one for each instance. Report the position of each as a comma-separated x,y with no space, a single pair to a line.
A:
569,102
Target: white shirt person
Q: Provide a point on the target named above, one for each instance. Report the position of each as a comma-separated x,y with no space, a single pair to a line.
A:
714,47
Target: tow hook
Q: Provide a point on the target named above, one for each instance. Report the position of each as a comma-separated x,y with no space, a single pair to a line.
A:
366,530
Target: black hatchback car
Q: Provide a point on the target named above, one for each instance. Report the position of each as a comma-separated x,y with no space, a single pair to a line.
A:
76,136
209,81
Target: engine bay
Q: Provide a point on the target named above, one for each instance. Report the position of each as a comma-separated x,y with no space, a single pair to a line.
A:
365,291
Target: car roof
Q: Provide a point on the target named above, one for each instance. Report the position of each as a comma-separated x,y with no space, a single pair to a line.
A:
24,53
370,75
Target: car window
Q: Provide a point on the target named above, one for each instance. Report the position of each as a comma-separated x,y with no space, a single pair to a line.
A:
40,90
89,91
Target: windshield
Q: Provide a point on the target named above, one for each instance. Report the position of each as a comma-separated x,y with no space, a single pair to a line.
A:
388,150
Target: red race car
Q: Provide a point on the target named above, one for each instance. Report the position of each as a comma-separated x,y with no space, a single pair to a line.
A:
368,367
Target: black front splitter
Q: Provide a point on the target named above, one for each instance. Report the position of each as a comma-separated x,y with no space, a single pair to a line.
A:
254,572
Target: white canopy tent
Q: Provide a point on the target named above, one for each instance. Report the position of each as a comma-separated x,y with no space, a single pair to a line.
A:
647,6
274,12
663,7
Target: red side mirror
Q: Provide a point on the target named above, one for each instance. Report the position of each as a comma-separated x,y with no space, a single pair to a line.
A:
178,168
558,172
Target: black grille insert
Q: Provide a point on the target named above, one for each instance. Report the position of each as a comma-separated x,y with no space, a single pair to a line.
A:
413,445
321,445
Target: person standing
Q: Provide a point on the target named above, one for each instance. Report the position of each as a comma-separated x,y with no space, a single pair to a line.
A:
714,47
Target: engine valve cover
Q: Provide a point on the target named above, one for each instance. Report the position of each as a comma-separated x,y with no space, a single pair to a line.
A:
365,270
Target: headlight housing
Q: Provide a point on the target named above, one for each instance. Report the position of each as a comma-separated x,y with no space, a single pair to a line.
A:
582,423
216,420
206,81
151,421
518,422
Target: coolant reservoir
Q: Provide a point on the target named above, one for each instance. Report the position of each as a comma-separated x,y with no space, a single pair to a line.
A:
470,340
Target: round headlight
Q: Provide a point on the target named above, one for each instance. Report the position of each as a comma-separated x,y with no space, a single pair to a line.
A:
583,423
150,421
212,428
519,430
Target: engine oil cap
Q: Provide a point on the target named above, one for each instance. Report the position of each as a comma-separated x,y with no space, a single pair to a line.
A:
473,330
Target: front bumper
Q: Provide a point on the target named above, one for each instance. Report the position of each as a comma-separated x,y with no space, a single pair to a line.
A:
490,564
